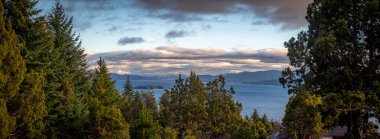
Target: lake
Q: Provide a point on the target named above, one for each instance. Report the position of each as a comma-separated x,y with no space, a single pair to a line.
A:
269,99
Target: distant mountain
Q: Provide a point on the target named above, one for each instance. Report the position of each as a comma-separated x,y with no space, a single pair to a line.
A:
266,82
253,76
207,78
131,77
260,77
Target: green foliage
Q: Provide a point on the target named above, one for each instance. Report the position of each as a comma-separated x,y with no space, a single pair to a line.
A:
223,112
32,109
35,43
128,88
7,122
145,126
142,114
106,119
254,127
302,116
67,79
255,116
150,103
12,73
183,107
337,59
137,105
169,133
109,123
126,101
198,111
126,107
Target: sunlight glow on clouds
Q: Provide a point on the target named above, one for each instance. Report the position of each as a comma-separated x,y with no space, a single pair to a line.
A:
174,60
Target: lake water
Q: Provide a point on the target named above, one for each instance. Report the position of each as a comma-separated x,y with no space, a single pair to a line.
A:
269,99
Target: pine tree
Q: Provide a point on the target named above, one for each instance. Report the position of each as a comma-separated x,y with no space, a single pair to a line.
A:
196,103
137,105
150,103
169,105
145,126
126,101
184,107
224,114
255,116
267,123
35,43
128,88
143,116
106,119
67,80
12,73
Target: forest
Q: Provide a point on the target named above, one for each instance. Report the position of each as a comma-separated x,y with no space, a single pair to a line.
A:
47,90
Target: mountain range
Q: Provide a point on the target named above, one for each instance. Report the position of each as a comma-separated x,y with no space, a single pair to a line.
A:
269,77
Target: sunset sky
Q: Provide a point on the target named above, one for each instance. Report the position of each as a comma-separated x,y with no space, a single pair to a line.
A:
150,37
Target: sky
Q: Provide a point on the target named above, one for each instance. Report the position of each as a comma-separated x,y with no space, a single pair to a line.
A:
156,37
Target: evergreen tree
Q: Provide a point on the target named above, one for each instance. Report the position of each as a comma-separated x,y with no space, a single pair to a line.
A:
35,42
254,127
137,106
302,118
143,116
169,133
128,88
268,125
12,73
67,80
337,57
255,116
106,119
190,110
145,126
126,102
184,107
150,103
223,113
168,102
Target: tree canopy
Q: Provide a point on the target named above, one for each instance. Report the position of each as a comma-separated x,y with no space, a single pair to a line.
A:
337,59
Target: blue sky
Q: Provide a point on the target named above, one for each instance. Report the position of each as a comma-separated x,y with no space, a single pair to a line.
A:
224,27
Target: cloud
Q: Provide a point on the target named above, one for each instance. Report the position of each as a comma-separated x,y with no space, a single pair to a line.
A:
130,40
259,22
206,27
177,17
83,26
80,9
111,18
290,14
113,29
94,5
177,34
174,60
